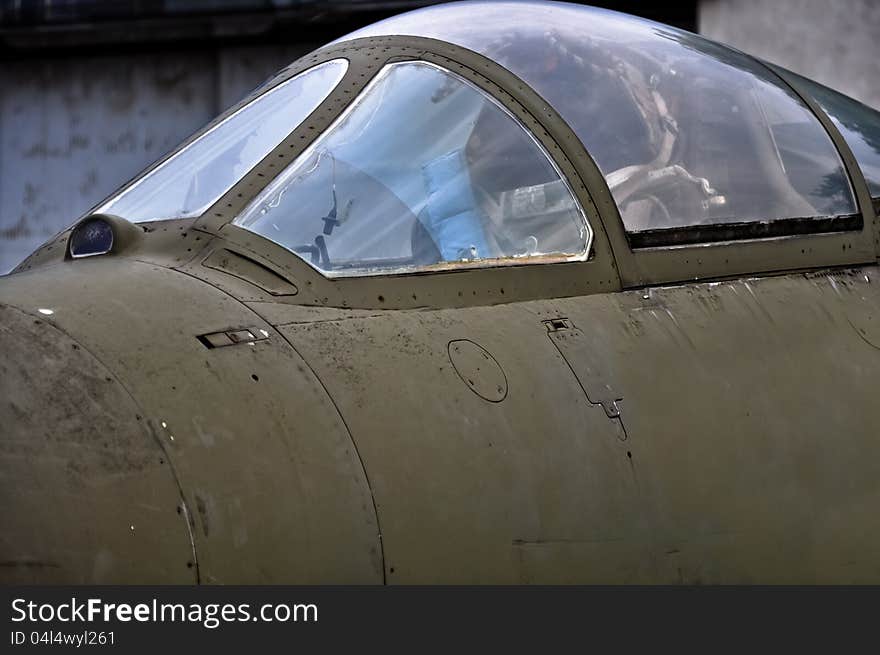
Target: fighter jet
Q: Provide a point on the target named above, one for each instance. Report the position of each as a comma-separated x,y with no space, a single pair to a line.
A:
487,292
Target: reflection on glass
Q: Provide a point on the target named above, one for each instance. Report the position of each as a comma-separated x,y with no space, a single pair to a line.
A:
859,125
197,175
686,131
423,171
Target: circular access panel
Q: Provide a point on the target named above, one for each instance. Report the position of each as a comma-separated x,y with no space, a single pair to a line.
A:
478,370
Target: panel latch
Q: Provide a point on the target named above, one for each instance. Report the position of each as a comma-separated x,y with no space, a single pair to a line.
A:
233,337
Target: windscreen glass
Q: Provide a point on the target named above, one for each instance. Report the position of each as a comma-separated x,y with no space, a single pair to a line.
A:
196,176
424,171
858,124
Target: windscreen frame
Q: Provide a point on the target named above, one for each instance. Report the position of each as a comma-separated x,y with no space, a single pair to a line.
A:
458,287
502,260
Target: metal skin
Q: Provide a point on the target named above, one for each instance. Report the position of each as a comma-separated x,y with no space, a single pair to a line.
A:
700,414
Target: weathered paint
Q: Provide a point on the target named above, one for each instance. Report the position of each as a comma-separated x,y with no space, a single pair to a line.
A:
719,429
263,460
745,449
76,444
750,448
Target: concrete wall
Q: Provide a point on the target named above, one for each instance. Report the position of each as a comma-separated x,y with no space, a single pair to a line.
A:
73,130
834,42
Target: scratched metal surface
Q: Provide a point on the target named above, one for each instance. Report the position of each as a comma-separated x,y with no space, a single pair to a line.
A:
88,453
266,471
745,449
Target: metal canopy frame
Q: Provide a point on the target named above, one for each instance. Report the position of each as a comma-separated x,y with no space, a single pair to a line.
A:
613,264
468,286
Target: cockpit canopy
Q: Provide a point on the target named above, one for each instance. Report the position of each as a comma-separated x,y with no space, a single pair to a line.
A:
686,131
424,169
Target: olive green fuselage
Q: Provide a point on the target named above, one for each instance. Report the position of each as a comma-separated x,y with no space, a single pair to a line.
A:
713,432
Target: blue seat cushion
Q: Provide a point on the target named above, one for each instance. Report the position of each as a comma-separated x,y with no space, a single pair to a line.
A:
452,218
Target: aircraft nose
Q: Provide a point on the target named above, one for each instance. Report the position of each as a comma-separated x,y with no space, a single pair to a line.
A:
88,495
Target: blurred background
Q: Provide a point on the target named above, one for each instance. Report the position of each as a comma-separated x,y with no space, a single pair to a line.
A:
92,91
